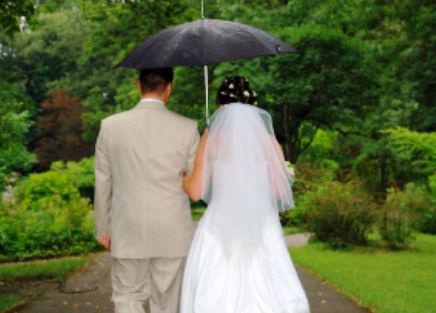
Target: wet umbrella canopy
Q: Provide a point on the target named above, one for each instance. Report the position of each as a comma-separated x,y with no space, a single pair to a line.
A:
204,42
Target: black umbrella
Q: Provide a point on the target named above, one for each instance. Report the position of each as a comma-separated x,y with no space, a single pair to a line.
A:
203,42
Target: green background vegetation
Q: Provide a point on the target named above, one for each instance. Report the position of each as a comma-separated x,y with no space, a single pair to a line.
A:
353,109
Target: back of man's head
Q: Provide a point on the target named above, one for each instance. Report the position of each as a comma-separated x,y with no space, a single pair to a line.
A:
155,80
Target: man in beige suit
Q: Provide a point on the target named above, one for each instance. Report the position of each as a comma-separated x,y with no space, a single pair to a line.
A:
142,214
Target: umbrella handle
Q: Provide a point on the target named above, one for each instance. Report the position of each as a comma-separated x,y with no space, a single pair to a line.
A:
206,86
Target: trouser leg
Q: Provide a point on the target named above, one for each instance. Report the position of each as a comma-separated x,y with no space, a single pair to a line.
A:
130,284
166,281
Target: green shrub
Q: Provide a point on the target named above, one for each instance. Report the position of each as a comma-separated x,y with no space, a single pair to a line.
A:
61,228
308,177
340,214
32,193
48,216
80,173
69,180
294,218
403,212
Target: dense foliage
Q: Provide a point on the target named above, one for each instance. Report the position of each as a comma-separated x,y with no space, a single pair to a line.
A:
11,11
356,103
340,214
15,120
49,217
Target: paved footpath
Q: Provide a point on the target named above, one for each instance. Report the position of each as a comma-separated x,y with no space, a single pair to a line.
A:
88,291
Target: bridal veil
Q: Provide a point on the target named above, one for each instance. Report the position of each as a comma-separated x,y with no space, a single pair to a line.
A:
245,180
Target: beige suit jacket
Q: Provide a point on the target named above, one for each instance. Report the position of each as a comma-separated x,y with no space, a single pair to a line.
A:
139,199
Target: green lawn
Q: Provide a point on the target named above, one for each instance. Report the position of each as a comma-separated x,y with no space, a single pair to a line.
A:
385,281
8,302
47,269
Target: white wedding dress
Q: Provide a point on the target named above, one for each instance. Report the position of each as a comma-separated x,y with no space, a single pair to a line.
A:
238,261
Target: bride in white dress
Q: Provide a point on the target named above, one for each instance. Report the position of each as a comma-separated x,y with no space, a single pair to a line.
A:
238,261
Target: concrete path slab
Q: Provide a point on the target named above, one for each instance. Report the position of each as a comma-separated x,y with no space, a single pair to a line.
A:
297,240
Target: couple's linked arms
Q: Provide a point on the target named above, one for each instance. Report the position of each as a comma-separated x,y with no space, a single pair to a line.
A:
192,184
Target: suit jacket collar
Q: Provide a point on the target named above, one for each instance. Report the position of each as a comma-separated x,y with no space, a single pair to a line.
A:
150,103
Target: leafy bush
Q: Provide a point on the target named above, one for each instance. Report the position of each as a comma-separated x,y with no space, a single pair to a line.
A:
69,180
340,214
49,217
59,228
402,213
80,173
33,192
308,177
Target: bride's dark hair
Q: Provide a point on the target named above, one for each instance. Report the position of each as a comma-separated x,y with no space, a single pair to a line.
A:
235,89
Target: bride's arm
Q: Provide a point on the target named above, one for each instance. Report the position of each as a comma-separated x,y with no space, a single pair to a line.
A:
280,186
192,184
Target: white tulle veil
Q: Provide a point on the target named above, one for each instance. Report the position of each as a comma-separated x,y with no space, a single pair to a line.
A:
245,179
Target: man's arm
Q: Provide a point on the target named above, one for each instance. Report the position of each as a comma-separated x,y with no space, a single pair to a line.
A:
103,188
193,184
192,150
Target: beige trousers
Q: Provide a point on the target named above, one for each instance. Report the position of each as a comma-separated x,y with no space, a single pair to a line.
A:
155,283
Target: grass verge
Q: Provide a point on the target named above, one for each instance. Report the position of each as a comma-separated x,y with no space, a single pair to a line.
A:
45,269
57,269
9,302
385,281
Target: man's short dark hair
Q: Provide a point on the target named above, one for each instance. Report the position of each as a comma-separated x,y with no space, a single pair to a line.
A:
155,80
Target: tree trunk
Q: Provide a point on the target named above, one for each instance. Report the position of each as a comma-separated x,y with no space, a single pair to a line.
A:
286,133
290,136
382,193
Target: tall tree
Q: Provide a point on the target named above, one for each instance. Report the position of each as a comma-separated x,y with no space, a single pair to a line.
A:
14,127
328,84
115,28
59,130
50,52
417,60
